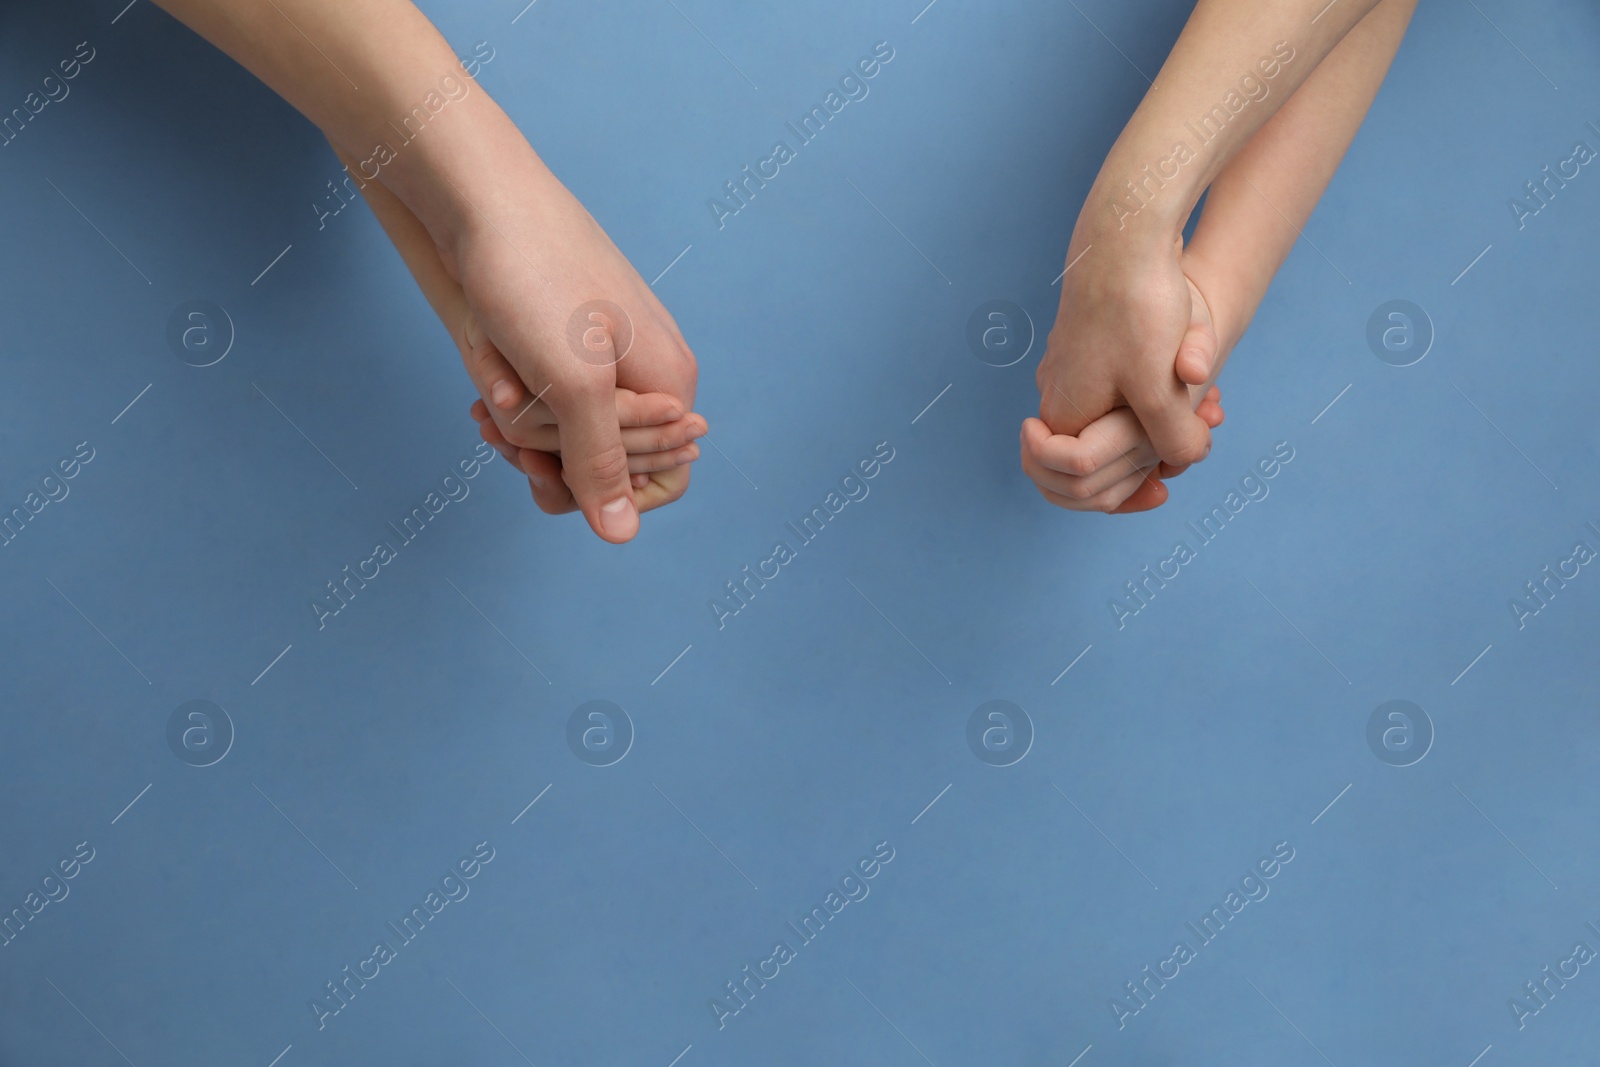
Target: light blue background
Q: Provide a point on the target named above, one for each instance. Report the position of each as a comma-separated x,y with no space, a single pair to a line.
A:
1173,755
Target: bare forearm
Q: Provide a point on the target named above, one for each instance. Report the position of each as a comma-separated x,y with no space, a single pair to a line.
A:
1260,202
385,88
1234,66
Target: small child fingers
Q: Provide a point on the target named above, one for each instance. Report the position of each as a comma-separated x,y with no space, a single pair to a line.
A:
637,440
663,488
549,489
1149,494
496,379
646,409
646,462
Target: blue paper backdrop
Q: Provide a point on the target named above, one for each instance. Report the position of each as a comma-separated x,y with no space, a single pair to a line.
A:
1427,859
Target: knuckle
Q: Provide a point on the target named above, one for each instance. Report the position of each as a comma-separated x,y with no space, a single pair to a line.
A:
1081,464
607,466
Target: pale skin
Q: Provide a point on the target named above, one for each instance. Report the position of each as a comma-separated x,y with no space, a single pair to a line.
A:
506,255
1146,323
519,248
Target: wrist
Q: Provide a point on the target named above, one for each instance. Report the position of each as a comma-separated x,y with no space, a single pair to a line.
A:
1143,195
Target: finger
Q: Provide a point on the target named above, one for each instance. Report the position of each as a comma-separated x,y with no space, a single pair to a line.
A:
1151,493
1107,500
492,436
645,463
1197,351
1114,442
636,439
638,481
664,487
544,479
646,409
1066,410
593,462
1178,435
497,381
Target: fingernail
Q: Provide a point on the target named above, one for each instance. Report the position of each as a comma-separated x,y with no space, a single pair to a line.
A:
538,481
616,518
503,393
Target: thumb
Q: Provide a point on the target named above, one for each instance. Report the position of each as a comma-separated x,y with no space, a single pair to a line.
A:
595,466
1197,352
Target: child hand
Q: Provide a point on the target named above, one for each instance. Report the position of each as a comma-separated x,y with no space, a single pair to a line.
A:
533,279
1125,315
1111,466
659,440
